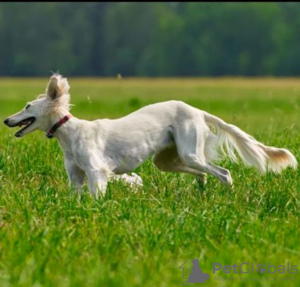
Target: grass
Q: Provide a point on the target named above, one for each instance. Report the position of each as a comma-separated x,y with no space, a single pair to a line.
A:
140,237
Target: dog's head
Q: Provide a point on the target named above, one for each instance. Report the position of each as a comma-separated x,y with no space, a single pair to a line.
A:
38,114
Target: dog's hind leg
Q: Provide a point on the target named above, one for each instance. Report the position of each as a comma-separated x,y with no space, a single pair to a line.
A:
190,140
193,161
169,160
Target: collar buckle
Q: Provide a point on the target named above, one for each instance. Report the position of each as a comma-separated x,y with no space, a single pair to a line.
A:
49,135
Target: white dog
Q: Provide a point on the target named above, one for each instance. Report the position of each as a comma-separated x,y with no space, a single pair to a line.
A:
178,135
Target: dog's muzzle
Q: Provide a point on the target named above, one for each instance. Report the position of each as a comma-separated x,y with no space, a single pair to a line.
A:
27,122
6,121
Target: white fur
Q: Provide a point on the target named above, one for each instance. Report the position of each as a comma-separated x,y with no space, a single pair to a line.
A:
178,135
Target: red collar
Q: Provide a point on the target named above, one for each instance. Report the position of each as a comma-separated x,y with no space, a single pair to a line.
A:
49,134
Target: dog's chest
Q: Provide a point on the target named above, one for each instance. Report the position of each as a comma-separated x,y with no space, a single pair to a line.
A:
128,159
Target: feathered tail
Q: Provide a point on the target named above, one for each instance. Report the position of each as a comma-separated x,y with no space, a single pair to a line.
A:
250,150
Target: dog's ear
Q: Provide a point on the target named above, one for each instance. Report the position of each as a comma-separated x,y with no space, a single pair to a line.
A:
52,89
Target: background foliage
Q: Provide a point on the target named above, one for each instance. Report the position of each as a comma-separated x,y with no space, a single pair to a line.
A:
150,39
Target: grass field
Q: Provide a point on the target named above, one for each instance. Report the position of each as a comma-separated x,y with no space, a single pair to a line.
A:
139,238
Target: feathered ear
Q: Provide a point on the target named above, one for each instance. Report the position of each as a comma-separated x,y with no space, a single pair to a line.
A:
52,89
57,87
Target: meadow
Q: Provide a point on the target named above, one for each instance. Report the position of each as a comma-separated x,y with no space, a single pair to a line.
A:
140,237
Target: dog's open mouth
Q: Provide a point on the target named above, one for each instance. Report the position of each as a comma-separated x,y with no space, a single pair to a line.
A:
27,122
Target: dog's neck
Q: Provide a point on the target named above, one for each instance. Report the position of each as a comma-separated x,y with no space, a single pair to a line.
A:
64,130
65,134
57,125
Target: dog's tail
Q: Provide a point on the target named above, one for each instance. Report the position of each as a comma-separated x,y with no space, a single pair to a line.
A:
250,150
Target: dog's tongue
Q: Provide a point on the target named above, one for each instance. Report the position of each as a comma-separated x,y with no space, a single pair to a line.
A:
22,123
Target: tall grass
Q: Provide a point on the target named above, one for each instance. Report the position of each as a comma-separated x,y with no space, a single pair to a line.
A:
140,237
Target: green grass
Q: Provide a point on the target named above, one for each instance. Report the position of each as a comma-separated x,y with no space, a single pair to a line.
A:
139,238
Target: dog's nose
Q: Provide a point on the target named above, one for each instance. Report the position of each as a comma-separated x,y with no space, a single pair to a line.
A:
6,121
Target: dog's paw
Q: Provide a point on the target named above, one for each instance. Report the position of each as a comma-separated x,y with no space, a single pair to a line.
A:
136,179
132,180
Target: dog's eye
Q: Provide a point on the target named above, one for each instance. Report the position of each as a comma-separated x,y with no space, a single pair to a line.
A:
27,107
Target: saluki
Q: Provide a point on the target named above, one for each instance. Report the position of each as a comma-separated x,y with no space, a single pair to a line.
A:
180,137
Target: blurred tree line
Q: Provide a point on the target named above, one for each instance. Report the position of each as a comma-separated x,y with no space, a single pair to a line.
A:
150,39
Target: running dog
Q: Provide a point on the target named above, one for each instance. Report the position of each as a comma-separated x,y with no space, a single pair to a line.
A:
180,137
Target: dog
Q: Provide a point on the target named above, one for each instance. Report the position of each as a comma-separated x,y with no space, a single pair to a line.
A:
180,138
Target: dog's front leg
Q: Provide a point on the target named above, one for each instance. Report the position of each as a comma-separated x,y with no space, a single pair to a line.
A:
76,175
97,180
